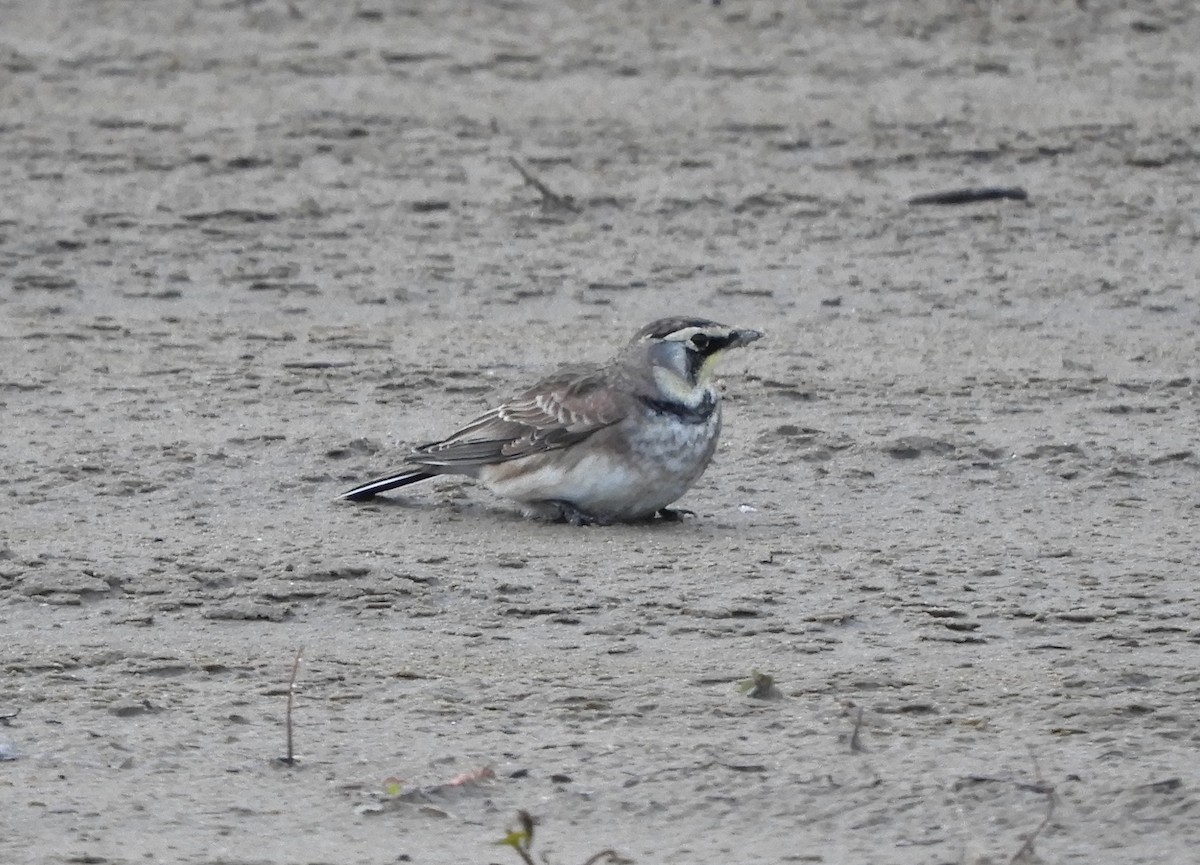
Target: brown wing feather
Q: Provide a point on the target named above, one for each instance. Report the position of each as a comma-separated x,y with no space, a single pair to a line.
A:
557,412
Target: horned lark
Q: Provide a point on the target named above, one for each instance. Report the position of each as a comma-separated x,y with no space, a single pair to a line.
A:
595,444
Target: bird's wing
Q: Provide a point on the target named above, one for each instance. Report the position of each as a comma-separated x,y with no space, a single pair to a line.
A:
557,412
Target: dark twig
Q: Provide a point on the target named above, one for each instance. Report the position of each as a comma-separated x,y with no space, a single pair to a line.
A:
972,196
1164,786
290,759
856,745
1037,767
5,718
551,200
608,855
1039,785
989,779
1026,849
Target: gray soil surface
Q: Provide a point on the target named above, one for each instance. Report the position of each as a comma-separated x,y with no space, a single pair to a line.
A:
249,251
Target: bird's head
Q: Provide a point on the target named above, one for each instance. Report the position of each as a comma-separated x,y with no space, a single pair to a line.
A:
684,352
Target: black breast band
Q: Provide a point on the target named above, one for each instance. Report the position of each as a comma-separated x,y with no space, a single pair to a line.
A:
688,414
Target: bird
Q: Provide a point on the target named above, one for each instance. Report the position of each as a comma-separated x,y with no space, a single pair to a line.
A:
595,444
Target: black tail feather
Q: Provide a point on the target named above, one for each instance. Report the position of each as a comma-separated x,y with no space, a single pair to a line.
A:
370,489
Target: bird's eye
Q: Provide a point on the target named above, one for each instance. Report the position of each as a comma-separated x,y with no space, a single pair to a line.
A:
701,341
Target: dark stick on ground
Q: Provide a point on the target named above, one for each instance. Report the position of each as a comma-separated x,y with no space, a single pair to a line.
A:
609,855
856,745
991,779
290,758
1025,851
971,196
551,200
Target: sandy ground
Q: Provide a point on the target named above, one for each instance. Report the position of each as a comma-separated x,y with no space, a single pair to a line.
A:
250,251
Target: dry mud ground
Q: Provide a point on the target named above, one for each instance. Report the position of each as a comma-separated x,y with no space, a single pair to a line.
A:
250,250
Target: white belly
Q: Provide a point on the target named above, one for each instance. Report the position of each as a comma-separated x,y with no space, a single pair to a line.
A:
625,472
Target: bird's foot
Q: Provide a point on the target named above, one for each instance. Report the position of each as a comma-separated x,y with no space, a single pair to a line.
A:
576,517
674,515
556,510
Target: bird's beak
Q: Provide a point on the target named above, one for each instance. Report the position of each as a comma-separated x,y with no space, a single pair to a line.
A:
744,337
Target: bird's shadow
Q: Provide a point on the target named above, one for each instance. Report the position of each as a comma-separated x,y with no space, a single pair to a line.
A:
663,520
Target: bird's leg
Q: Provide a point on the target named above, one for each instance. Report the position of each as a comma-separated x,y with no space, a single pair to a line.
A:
568,513
674,515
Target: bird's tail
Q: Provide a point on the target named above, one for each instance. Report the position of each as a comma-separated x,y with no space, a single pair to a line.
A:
370,489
